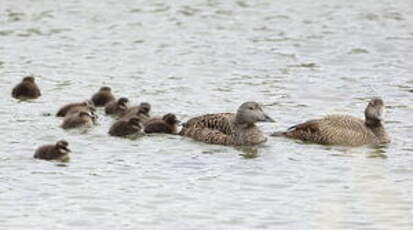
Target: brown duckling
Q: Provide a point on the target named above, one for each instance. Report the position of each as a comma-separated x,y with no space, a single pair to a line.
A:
343,130
78,119
86,106
126,126
103,97
117,107
229,128
142,111
26,89
58,151
167,124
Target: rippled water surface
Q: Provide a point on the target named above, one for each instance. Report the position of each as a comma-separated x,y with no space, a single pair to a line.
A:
300,59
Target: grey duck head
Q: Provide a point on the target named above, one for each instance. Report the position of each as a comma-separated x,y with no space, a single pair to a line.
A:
251,112
374,111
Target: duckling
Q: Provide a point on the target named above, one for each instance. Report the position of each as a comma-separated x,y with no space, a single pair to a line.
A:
117,107
142,111
343,130
78,119
26,89
59,151
126,126
166,124
103,97
86,106
229,128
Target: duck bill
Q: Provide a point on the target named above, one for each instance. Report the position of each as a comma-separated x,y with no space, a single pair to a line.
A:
267,119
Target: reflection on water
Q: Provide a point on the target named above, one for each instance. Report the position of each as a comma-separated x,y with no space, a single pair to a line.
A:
301,59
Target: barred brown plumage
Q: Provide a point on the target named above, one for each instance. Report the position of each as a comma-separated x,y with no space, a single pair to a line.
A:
343,129
228,128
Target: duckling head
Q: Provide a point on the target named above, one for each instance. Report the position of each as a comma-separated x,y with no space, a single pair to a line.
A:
62,146
135,123
29,79
105,88
122,102
145,107
170,118
251,112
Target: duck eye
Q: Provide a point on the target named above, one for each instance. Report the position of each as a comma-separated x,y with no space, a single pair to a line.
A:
251,108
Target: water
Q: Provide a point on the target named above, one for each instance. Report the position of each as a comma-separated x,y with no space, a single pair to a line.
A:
301,59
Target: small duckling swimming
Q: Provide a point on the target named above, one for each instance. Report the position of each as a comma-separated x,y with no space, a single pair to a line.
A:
78,119
167,124
26,89
86,106
229,128
58,151
126,126
142,111
343,130
117,107
103,97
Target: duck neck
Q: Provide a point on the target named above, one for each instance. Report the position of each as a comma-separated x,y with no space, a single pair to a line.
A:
376,127
241,123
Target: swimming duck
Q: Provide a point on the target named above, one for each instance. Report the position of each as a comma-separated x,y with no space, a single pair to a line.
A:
142,111
343,129
86,106
78,119
58,151
117,107
166,124
26,89
103,97
229,128
126,126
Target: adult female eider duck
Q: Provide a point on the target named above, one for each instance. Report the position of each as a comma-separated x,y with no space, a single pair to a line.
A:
58,151
103,97
343,129
26,89
167,124
229,128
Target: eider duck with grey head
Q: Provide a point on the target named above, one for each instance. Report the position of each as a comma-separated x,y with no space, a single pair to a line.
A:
343,130
229,128
167,124
58,151
26,89
103,97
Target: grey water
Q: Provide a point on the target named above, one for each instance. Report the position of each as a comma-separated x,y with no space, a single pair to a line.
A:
299,59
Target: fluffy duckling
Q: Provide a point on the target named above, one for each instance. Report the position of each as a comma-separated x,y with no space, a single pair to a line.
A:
103,97
142,111
58,151
229,128
167,124
86,106
117,107
26,89
343,129
78,119
126,126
